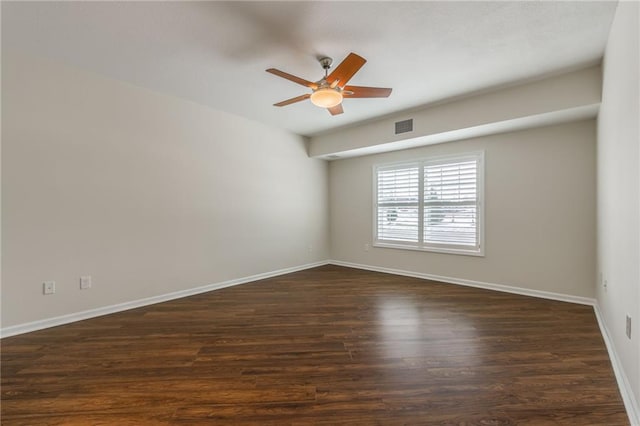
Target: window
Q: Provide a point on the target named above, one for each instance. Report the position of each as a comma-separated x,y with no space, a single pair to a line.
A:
434,204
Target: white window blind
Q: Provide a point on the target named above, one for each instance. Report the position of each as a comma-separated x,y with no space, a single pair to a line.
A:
450,203
433,204
398,203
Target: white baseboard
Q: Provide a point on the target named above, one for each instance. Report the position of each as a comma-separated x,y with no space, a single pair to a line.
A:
92,313
470,283
630,402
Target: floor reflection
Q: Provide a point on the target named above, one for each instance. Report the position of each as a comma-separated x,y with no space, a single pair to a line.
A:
411,328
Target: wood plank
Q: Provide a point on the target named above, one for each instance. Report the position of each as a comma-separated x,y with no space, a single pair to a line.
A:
330,345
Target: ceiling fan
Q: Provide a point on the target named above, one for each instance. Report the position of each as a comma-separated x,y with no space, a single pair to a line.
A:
329,91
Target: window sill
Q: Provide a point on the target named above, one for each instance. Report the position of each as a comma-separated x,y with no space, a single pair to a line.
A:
463,252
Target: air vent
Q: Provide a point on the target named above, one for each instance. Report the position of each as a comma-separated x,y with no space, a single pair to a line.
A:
404,126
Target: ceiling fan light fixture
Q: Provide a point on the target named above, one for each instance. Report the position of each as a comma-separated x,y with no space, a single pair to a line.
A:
326,97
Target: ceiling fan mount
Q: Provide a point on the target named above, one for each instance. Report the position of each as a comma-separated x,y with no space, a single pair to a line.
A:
329,91
326,62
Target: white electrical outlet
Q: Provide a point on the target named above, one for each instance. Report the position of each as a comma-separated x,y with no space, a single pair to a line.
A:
366,247
48,287
310,248
85,282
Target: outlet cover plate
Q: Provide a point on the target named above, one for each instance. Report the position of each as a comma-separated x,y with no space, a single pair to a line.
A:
628,328
85,282
48,287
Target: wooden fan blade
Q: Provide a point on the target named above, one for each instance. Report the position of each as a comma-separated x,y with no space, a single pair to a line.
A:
346,69
336,109
365,92
293,100
293,78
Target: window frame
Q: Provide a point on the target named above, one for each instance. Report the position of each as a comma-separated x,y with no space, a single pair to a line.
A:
477,250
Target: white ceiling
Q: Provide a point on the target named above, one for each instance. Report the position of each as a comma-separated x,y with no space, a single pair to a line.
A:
215,53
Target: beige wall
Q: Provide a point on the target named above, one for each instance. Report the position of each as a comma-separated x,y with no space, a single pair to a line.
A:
619,190
539,208
146,193
553,99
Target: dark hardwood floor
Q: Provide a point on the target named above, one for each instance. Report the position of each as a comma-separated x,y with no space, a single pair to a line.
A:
330,345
